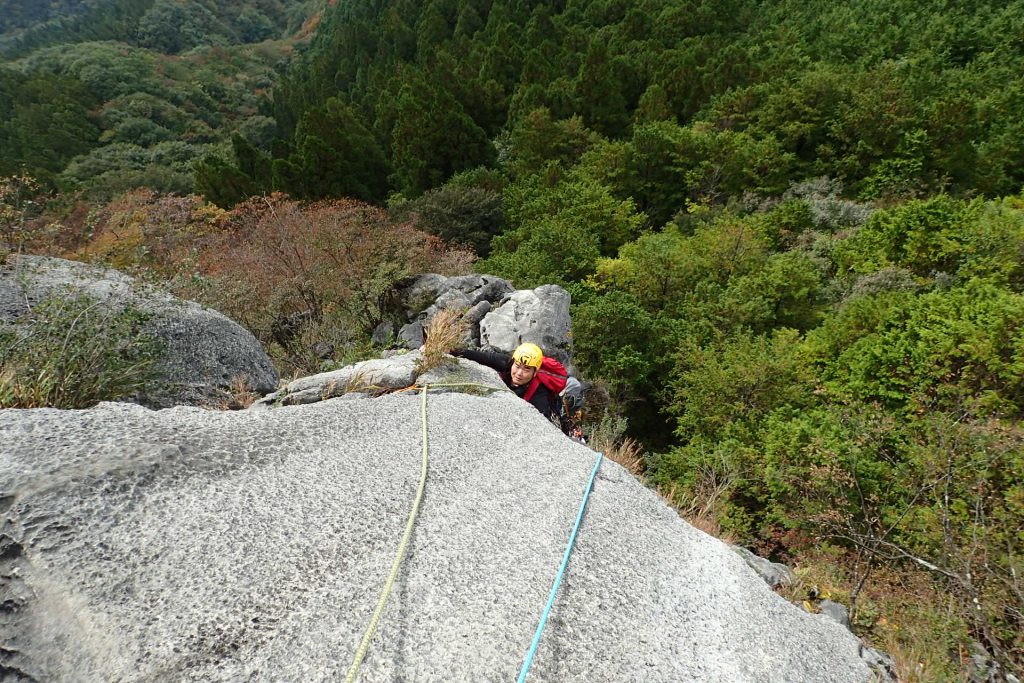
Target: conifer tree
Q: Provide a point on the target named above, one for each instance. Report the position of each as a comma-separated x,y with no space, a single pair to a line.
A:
337,155
599,91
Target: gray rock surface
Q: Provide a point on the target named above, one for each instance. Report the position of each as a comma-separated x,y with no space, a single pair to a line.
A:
373,377
187,544
883,664
540,316
499,317
472,319
424,295
411,334
983,669
835,611
383,333
464,290
205,351
774,574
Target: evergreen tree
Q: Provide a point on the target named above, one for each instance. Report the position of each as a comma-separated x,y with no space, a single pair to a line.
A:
223,184
599,92
432,139
469,21
45,123
432,30
337,155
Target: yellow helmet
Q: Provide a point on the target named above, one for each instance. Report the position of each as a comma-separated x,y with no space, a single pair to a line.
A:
529,355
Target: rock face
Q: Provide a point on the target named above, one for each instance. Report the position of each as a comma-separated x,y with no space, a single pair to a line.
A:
500,317
373,377
188,544
773,573
424,295
205,351
537,315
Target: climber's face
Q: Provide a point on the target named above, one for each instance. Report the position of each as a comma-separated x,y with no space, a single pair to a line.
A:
522,374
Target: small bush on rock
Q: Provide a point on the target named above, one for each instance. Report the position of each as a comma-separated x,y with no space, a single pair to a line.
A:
73,351
468,216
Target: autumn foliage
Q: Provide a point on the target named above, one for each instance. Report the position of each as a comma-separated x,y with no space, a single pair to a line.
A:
313,280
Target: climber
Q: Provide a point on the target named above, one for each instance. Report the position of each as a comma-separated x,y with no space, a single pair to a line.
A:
531,376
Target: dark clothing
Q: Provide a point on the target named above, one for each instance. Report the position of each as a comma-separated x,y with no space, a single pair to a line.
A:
543,399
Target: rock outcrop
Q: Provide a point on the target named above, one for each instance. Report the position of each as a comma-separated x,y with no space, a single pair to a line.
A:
204,351
378,376
420,297
500,317
774,574
537,315
188,544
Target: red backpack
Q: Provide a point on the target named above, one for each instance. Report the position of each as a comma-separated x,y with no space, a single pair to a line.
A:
551,374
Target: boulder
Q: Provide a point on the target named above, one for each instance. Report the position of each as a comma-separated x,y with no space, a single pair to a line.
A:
424,295
983,669
884,665
473,317
773,573
189,544
422,291
205,352
835,611
383,333
540,316
411,335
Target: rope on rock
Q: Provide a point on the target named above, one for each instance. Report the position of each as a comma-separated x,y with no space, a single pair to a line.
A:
561,572
353,670
403,547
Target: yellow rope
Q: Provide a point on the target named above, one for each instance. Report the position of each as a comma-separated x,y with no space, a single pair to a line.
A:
353,670
371,628
465,384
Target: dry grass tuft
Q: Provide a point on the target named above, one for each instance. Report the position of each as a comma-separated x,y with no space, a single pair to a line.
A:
7,386
699,508
627,453
608,436
237,395
360,382
242,396
443,333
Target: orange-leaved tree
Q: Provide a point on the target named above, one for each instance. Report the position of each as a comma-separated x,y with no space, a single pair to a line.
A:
313,280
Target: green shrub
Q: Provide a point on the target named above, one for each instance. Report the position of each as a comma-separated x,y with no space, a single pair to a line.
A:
724,391
612,335
72,351
558,232
467,216
924,236
951,350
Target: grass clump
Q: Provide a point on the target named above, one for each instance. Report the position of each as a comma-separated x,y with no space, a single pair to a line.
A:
445,331
238,395
608,437
72,350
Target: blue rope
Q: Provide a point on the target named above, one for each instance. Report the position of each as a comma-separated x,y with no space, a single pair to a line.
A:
558,579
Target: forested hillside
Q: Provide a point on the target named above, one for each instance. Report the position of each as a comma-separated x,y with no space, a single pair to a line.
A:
103,96
887,97
793,233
